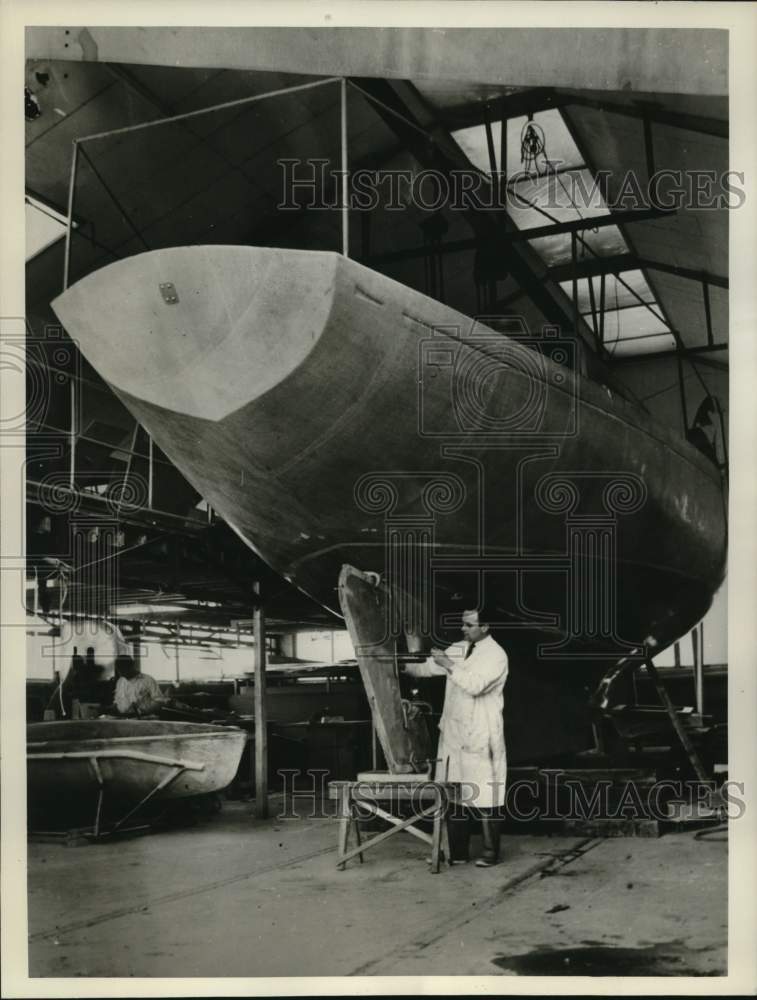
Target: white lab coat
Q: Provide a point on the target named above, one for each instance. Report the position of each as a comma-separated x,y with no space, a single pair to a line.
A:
140,695
472,737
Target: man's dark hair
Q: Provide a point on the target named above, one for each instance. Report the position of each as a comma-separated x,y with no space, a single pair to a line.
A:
124,660
487,613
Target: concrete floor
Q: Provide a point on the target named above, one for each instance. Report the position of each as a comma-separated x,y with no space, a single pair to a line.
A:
237,897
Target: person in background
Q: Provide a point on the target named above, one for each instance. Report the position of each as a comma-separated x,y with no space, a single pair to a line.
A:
71,687
136,694
472,740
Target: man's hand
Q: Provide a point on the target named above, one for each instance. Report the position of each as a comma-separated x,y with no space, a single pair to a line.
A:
442,660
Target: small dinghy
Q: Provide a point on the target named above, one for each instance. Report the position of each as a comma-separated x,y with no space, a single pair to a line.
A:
108,770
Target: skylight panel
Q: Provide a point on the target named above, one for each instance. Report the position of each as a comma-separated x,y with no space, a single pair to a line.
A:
606,242
549,185
638,321
548,140
527,217
646,345
630,288
535,147
560,197
474,144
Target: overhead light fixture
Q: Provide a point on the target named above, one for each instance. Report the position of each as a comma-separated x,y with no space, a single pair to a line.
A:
137,610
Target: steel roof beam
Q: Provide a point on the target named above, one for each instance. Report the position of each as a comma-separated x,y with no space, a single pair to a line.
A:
415,124
562,272
652,111
536,99
593,267
680,352
515,105
592,222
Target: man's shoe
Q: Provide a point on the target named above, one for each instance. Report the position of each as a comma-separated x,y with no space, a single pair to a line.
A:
486,863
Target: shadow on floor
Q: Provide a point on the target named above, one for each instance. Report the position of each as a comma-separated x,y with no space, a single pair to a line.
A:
663,959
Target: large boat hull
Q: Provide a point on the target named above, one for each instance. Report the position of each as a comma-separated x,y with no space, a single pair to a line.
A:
334,416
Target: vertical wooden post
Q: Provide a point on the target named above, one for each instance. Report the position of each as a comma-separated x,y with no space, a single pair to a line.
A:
261,715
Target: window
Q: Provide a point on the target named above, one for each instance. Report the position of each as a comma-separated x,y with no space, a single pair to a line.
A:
549,184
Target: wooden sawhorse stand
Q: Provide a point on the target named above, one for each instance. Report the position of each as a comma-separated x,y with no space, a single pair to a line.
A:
431,800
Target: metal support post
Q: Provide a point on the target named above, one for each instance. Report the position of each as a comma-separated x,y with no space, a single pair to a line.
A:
697,646
345,183
261,715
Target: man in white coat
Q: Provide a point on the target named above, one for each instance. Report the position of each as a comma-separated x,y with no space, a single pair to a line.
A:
472,739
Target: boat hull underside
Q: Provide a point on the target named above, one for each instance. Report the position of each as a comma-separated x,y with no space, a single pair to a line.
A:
590,577
452,463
